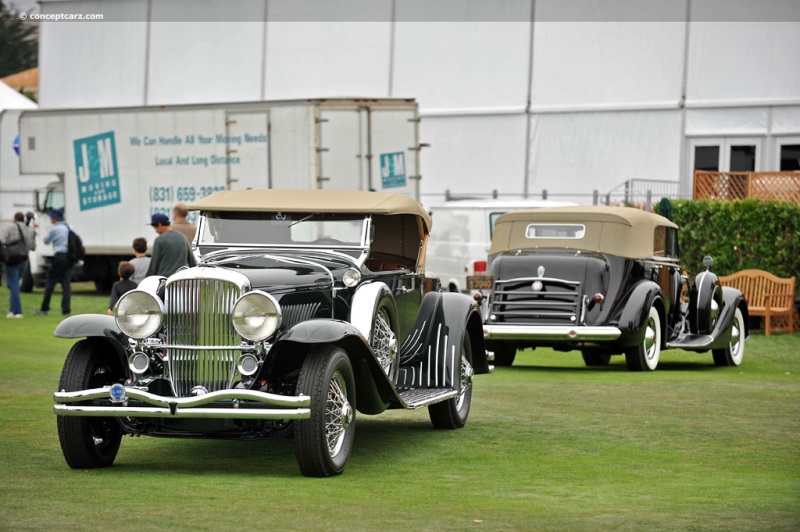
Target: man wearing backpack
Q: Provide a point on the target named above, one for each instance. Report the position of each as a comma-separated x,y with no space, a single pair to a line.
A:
61,269
17,233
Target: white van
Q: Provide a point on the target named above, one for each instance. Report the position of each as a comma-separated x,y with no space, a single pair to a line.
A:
462,232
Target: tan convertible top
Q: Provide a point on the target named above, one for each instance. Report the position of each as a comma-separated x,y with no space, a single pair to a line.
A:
314,200
622,231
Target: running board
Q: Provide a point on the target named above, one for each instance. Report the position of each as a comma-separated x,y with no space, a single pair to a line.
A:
417,398
692,341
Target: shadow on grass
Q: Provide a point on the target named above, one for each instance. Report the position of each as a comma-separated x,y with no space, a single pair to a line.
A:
274,457
699,365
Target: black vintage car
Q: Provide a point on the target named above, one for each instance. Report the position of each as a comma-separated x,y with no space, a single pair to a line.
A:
305,307
605,281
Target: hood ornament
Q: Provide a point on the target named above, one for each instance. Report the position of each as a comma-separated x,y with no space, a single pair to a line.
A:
540,271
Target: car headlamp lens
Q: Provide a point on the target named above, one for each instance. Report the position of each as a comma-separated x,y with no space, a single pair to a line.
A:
256,316
139,314
351,277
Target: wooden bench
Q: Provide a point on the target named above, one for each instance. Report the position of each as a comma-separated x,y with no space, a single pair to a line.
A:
767,295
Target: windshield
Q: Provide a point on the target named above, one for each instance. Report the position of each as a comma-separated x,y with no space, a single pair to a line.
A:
283,229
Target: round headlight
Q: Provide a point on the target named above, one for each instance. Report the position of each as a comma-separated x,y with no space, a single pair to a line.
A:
351,277
139,314
256,316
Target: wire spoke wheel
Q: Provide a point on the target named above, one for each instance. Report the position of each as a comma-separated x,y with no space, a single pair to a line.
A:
323,442
453,413
338,414
384,341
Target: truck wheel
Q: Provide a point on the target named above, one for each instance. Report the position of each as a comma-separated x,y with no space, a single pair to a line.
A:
89,442
732,355
323,442
453,413
644,357
26,285
595,357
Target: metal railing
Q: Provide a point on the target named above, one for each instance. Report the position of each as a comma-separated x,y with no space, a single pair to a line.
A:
642,193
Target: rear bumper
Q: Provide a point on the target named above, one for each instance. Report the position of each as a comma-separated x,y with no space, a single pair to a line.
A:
550,333
225,404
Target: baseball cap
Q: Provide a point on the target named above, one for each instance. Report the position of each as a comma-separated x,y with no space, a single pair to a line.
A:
57,215
159,218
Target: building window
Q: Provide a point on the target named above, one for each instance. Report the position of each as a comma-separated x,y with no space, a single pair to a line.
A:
790,158
706,158
743,159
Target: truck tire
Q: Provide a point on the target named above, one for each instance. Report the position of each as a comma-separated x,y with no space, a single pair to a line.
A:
26,285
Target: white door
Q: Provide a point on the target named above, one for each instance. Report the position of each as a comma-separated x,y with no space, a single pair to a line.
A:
732,154
247,150
394,151
343,148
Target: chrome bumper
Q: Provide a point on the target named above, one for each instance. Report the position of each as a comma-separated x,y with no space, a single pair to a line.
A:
571,334
241,405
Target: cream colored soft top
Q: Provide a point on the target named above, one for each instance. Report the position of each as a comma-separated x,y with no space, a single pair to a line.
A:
622,231
332,201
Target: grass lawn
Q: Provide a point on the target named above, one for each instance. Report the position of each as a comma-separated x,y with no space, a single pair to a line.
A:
550,445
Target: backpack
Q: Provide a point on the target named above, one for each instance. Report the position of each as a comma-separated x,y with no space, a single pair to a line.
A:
75,249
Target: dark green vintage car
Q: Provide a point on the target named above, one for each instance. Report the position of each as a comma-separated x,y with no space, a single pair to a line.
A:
305,307
605,281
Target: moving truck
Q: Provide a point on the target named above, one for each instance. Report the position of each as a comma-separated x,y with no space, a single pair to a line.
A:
116,167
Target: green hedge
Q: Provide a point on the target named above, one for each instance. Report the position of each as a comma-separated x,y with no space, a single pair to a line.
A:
739,235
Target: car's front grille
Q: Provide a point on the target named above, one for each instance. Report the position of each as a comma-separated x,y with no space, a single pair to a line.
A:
556,301
203,343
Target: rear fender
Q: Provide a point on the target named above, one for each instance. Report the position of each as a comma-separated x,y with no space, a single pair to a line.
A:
430,356
635,310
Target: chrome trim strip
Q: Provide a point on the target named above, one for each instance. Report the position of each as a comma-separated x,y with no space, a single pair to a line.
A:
522,332
246,347
204,413
185,402
528,279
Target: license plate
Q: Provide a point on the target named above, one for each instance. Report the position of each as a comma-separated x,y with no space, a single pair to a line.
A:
479,282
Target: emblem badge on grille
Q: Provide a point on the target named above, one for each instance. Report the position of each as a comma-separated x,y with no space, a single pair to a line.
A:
537,286
540,271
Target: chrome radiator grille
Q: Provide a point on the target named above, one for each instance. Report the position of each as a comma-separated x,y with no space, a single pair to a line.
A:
557,302
203,345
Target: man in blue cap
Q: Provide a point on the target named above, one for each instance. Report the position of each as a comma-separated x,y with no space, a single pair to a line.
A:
171,250
61,269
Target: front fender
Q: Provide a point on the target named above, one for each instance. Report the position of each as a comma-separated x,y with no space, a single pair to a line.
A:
321,331
86,325
634,311
373,389
94,326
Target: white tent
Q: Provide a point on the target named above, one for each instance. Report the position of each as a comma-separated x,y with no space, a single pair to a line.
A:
16,191
11,99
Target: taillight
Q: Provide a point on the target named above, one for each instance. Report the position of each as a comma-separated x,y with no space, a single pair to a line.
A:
479,266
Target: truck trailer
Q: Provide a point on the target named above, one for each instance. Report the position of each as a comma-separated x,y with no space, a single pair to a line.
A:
115,167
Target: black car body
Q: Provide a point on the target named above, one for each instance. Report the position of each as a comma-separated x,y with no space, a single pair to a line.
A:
605,281
305,306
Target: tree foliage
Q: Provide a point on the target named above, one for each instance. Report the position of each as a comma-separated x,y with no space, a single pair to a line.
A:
18,42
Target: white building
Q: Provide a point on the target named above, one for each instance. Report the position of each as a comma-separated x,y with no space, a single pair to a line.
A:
518,96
